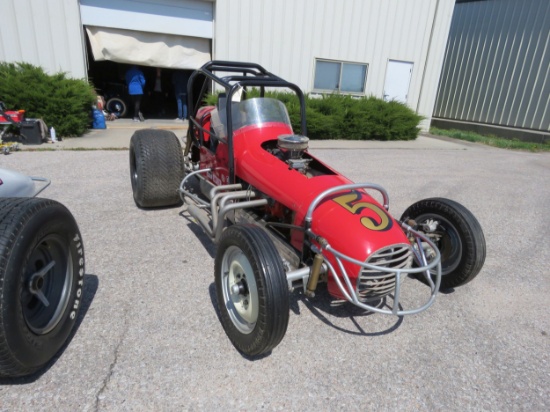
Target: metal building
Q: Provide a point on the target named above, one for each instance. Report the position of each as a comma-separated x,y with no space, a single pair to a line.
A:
496,73
387,48
44,33
69,35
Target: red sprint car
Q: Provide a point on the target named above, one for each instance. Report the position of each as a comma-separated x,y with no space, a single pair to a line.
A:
283,220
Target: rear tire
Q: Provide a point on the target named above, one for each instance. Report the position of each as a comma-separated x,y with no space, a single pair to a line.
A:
460,239
41,282
255,317
156,168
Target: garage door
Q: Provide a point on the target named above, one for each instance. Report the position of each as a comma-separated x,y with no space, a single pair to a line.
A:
161,33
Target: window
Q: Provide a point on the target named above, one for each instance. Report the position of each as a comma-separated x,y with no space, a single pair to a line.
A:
340,77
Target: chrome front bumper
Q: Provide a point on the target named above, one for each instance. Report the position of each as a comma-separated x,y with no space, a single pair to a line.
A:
342,278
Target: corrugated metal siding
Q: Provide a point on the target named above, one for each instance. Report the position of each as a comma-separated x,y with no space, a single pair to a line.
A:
44,33
286,36
497,64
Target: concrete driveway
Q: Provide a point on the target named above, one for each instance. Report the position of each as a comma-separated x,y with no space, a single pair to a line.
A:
149,337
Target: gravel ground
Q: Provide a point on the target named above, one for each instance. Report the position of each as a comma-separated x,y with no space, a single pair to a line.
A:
149,337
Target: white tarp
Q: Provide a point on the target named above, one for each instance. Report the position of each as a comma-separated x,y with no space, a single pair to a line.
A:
148,49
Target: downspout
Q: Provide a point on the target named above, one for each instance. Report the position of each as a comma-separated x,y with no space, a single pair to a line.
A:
213,40
427,56
83,42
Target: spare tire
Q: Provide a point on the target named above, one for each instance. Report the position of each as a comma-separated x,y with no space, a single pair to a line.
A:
116,106
41,282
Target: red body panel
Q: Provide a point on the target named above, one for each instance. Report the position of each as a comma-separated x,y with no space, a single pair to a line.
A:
353,223
215,157
15,116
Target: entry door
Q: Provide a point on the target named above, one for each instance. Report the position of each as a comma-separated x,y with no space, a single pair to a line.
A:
398,80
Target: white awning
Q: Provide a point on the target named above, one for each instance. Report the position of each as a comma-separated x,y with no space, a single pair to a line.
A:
148,49
180,17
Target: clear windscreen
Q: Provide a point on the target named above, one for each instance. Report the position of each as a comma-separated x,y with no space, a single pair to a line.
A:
257,111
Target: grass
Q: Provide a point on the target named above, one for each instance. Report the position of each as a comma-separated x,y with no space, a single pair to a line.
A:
492,140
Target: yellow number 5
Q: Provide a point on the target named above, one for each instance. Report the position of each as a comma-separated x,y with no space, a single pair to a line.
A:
350,202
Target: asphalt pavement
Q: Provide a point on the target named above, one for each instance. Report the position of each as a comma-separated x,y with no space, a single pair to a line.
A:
149,338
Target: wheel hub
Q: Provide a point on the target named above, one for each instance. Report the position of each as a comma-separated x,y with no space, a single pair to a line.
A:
445,236
36,283
240,290
241,299
45,293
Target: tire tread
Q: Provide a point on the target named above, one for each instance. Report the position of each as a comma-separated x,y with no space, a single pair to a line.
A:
159,164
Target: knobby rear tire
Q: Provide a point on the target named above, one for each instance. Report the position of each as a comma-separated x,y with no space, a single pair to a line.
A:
156,168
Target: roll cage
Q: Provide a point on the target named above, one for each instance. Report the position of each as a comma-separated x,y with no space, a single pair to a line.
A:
240,75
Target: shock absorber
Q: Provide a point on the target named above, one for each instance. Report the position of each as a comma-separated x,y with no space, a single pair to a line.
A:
314,276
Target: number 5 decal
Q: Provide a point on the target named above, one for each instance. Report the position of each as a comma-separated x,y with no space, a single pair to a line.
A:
350,202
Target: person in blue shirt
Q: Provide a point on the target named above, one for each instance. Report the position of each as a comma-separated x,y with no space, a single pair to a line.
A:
136,82
179,81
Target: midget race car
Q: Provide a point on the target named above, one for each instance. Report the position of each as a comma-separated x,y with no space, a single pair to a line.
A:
283,220
41,274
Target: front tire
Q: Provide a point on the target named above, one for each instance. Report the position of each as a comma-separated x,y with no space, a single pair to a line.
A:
252,290
41,282
156,168
458,236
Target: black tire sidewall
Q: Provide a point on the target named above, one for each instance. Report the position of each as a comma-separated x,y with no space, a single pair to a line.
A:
135,168
30,350
468,230
273,297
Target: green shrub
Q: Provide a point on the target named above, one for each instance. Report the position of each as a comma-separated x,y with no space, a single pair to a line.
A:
61,102
337,116
366,118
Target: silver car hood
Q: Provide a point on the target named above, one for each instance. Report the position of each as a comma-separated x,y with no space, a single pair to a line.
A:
14,184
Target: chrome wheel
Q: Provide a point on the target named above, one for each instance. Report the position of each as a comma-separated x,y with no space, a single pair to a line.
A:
239,290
